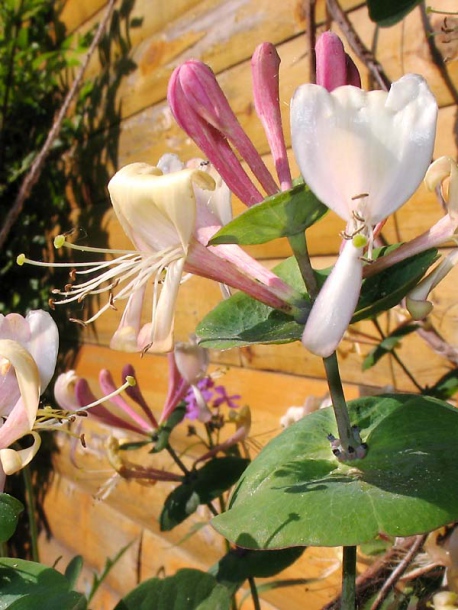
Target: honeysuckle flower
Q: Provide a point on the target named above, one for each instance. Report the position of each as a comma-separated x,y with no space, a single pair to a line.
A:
203,112
169,214
363,154
73,394
28,353
192,363
334,67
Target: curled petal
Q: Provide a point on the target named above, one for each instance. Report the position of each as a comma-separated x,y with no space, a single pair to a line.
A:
22,417
364,151
12,461
334,307
416,301
161,335
125,338
155,208
440,170
64,391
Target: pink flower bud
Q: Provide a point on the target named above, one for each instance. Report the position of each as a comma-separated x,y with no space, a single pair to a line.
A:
334,67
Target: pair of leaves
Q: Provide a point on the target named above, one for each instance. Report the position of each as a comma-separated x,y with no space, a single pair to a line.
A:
192,589
405,485
241,320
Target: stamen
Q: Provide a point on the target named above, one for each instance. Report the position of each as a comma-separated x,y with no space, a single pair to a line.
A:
130,382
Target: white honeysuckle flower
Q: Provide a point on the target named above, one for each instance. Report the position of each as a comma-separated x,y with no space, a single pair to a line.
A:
158,213
363,154
169,212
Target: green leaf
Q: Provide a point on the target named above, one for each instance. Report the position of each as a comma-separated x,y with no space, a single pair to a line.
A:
446,387
201,487
241,320
387,345
26,585
10,510
388,12
386,289
405,485
239,564
186,590
164,432
73,570
281,215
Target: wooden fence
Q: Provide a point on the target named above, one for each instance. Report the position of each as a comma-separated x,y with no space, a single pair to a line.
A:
132,122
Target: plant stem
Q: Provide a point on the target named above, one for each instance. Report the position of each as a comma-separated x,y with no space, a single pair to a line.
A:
338,402
31,513
398,359
254,594
298,245
348,599
177,460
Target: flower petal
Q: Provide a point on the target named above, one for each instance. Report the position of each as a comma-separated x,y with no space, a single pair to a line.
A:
156,210
161,335
351,142
334,307
22,417
44,344
12,461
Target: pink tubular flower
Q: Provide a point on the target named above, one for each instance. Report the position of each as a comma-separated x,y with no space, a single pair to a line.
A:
28,353
73,393
169,212
363,154
203,112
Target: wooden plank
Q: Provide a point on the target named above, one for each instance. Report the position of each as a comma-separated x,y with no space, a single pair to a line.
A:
58,556
158,47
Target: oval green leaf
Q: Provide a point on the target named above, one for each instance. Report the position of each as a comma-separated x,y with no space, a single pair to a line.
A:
201,487
186,590
281,215
28,586
10,510
388,12
405,485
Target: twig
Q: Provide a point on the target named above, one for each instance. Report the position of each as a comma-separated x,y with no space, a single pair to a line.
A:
35,170
436,55
311,37
362,52
398,572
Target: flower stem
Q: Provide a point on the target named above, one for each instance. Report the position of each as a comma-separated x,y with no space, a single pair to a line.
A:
31,512
177,460
298,245
338,402
254,594
348,599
